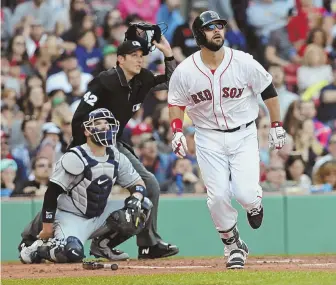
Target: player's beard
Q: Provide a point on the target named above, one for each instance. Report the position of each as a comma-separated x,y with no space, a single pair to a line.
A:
214,46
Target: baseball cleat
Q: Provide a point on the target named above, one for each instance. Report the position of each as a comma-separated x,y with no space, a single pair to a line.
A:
236,259
102,250
160,250
28,254
255,217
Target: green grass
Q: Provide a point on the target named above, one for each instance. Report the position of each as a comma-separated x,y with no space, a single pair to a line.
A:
218,278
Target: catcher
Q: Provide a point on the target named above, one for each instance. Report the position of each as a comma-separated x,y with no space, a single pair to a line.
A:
75,206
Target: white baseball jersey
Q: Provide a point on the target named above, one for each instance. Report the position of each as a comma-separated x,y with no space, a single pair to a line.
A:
223,100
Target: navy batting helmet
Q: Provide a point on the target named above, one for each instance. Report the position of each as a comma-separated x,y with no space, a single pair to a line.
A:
200,22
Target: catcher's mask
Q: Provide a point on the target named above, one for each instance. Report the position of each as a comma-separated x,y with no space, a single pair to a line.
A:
102,126
145,34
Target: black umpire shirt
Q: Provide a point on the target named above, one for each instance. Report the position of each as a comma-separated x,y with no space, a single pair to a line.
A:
111,90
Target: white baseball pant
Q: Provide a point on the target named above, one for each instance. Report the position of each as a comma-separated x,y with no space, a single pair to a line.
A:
220,154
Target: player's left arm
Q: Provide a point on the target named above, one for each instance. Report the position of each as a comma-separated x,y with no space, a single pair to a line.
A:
170,62
261,83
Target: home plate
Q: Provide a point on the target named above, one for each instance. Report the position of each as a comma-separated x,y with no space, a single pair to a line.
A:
163,267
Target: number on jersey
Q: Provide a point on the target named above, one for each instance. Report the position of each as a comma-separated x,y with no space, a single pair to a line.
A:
90,98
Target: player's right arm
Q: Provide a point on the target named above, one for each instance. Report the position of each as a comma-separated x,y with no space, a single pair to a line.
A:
177,101
67,173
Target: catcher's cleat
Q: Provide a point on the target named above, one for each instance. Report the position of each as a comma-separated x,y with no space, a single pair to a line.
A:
236,259
255,217
100,249
29,254
160,250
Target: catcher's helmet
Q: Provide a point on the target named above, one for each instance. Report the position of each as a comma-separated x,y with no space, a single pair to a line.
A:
201,21
102,136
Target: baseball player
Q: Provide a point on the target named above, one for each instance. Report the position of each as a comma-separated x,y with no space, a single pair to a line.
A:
218,87
75,206
122,90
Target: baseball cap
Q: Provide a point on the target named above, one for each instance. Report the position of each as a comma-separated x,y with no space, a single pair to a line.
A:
109,49
50,128
127,47
8,163
141,128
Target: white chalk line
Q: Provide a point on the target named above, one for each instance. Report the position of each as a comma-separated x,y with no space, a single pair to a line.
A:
163,267
280,261
318,264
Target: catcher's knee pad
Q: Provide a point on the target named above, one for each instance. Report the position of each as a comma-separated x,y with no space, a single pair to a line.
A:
74,249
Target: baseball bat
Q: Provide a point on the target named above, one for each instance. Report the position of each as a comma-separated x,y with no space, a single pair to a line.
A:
98,265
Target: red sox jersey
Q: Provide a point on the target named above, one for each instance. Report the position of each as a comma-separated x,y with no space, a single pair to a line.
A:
223,100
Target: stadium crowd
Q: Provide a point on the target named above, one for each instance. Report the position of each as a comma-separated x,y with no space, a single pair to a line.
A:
51,49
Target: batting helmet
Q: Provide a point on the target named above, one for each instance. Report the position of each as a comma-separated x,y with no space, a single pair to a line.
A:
200,22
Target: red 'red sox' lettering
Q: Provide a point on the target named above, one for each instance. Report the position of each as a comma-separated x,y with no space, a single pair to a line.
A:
232,92
202,96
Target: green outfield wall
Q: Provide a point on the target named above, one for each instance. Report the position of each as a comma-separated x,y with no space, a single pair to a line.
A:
292,225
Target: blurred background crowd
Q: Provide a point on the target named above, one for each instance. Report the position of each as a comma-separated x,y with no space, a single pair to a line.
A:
51,49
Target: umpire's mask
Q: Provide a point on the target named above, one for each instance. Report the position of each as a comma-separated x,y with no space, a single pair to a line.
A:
102,126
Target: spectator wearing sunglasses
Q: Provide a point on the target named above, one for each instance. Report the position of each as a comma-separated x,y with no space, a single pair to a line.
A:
41,167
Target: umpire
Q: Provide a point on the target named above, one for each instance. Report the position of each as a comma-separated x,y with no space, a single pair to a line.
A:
122,90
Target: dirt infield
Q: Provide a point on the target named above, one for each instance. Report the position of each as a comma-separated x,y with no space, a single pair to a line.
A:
132,267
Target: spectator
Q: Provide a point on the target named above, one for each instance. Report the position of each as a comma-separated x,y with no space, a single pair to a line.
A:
34,80
314,71
328,157
326,111
83,21
285,97
37,9
325,177
87,52
6,154
184,43
27,149
10,110
35,37
50,146
59,80
6,23
114,35
140,132
183,179
8,170
7,79
41,171
316,36
292,118
276,179
146,9
111,19
18,57
321,131
169,13
74,78
295,167
307,145
35,103
108,61
155,162
267,16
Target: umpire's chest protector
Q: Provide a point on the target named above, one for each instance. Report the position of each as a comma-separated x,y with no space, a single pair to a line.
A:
90,195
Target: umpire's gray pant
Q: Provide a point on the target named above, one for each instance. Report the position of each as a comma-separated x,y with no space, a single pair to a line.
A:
148,235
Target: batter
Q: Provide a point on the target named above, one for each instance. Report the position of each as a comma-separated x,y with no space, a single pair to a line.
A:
218,87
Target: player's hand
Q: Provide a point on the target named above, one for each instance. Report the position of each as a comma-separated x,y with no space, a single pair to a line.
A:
277,136
47,231
164,46
179,144
133,207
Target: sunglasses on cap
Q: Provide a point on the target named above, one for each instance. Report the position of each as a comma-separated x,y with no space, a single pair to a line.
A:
212,27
